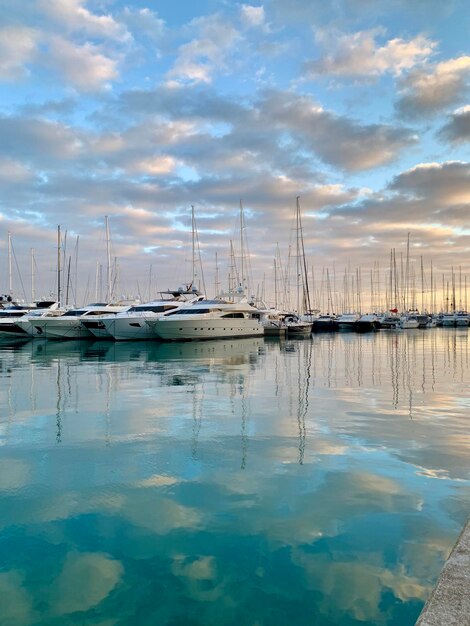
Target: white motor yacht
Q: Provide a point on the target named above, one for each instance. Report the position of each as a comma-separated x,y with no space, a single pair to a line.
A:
69,325
462,318
13,317
131,324
272,321
209,319
9,318
27,322
295,326
409,321
389,322
448,319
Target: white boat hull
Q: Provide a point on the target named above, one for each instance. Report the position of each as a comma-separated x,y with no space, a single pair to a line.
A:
299,328
211,328
12,328
346,325
129,329
61,328
409,324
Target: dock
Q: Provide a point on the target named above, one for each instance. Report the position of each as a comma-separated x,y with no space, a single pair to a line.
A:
449,602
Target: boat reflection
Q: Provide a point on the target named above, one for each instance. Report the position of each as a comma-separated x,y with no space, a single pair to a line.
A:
218,351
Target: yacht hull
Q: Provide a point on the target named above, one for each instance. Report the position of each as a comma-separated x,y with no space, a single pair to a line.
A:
12,329
367,326
347,326
300,329
129,329
97,329
61,328
324,325
215,328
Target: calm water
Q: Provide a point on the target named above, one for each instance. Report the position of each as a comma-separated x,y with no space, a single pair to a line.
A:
319,481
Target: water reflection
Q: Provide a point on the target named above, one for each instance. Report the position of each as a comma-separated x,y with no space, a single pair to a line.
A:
318,481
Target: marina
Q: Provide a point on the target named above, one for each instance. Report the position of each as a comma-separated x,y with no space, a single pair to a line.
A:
321,479
234,313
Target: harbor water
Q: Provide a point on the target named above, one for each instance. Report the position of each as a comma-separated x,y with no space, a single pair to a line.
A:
255,482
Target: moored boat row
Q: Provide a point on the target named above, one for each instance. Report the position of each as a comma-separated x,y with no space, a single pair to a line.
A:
185,315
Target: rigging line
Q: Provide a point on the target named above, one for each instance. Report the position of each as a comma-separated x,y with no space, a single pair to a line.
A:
200,259
18,270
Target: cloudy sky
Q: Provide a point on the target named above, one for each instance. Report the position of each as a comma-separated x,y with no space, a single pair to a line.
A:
138,110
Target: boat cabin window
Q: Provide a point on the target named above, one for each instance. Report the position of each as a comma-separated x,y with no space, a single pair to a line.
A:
233,315
154,308
189,311
75,313
11,314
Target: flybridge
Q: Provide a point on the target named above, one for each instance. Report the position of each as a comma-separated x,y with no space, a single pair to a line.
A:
182,291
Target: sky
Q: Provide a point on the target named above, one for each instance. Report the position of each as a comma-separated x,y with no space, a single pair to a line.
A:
139,110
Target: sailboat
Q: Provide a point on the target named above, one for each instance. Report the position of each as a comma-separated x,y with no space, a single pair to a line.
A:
295,325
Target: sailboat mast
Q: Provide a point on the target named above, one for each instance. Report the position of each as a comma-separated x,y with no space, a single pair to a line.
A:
76,269
68,283
453,290
98,282
33,295
242,251
108,262
460,287
275,284
217,282
407,272
10,284
305,289
432,291
422,286
58,265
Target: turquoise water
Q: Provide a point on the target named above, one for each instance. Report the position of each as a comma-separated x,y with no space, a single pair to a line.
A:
320,481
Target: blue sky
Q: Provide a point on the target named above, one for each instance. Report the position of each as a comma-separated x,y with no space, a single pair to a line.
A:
139,110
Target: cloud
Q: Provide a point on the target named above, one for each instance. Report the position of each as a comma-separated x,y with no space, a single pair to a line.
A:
17,604
17,47
430,200
14,172
98,575
37,141
425,92
252,16
439,183
206,53
279,129
358,55
14,475
83,66
154,166
457,128
144,23
338,140
72,16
